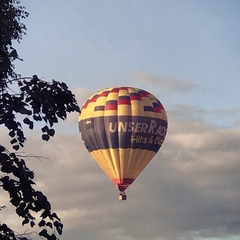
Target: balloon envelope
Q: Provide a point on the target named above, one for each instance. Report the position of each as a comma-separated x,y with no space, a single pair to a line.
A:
123,128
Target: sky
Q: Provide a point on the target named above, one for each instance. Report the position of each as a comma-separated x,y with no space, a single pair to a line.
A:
187,54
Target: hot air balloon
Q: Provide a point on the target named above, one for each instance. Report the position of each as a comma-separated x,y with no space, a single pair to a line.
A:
123,128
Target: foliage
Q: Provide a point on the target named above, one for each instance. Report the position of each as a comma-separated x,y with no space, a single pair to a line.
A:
38,101
35,100
11,29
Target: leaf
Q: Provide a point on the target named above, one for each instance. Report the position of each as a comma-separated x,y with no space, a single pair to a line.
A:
54,215
51,132
20,83
14,140
15,201
11,133
45,129
61,114
31,217
20,134
32,223
49,224
41,223
16,147
44,233
28,122
44,214
13,54
53,237
37,117
20,211
59,227
2,148
25,221
7,168
45,137
24,111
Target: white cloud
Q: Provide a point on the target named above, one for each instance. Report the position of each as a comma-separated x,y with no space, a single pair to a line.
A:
168,83
190,189
82,94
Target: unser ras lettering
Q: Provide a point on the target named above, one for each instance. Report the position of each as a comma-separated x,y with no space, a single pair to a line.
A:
138,127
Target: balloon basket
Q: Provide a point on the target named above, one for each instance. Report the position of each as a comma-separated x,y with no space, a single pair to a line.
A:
122,196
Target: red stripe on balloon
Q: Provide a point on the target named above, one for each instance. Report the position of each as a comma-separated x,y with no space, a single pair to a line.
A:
104,93
124,100
122,183
86,104
94,98
111,105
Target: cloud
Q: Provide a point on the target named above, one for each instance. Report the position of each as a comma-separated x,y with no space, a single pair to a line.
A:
223,117
190,190
168,83
82,94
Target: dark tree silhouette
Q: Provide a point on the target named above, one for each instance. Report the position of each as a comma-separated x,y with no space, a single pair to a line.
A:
35,100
